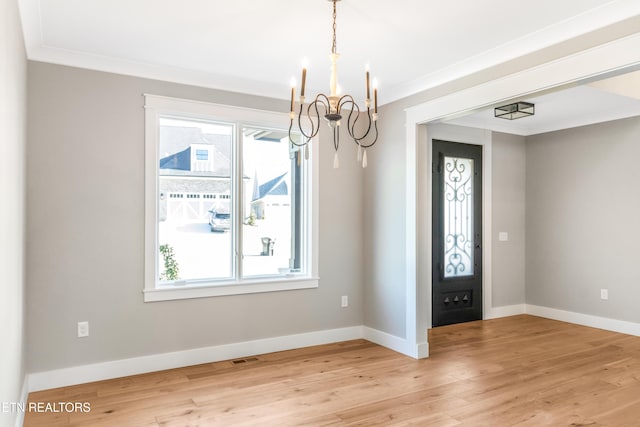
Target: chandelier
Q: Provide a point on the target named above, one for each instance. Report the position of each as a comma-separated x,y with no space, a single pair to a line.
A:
332,108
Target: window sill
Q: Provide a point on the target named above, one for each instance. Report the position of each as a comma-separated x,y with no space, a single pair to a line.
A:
169,293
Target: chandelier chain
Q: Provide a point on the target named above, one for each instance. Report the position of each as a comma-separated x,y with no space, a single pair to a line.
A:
333,45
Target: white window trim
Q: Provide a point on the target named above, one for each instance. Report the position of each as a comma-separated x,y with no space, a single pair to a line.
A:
157,106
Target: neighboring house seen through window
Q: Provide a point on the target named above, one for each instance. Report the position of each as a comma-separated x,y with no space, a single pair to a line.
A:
227,203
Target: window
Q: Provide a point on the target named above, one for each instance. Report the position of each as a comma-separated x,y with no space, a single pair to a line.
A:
239,217
202,154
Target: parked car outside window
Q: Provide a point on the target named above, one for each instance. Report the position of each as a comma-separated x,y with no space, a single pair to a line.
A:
219,218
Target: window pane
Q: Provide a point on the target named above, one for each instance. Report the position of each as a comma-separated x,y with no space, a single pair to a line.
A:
195,203
269,174
202,154
458,217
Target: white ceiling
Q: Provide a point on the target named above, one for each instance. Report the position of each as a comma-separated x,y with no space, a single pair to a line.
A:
597,102
255,46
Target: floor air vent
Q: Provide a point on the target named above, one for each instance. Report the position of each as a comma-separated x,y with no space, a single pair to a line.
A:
247,360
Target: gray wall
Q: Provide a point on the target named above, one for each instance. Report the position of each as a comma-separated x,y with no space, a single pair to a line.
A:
582,208
508,215
85,223
13,95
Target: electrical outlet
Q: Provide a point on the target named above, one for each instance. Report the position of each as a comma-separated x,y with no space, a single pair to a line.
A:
83,329
604,294
345,301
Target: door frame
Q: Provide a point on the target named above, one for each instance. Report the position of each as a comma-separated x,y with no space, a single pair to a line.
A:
612,58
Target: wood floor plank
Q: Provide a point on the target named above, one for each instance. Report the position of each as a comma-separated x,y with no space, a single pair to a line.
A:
521,370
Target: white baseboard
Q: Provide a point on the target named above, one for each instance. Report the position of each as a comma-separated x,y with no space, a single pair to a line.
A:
422,350
605,323
504,311
157,362
401,345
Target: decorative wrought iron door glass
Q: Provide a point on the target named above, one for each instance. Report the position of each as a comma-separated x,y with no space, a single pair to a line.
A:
458,217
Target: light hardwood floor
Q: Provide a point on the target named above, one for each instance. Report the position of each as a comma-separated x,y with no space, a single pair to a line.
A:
519,370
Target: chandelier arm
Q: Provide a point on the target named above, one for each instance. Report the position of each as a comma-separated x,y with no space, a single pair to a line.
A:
323,100
291,139
375,128
314,126
301,130
344,100
351,125
317,101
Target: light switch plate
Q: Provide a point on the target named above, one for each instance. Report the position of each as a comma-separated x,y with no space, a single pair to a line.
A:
503,236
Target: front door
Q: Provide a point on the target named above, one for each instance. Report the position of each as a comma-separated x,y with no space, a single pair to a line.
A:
457,233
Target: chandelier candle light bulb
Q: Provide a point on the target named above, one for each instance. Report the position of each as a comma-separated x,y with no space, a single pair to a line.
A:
293,93
304,81
368,93
375,98
375,102
332,107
